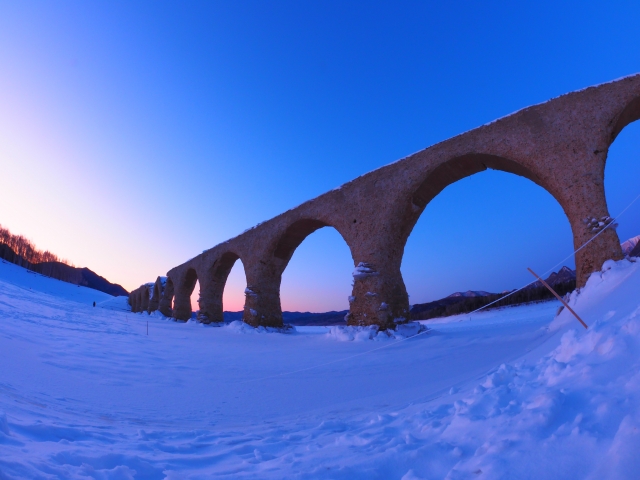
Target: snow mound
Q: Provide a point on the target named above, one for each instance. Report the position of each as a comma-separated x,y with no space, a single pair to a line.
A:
574,413
116,303
629,245
238,326
509,393
361,334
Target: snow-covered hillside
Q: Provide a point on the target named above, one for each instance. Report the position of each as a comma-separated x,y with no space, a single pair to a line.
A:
511,393
28,280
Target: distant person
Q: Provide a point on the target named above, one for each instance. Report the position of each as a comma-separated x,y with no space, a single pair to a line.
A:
94,304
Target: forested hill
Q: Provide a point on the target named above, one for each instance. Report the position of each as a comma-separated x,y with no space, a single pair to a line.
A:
20,251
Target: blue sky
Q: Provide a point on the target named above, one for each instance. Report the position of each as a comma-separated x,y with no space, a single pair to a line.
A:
135,135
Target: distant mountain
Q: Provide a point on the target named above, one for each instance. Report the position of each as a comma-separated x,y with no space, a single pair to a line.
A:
470,294
562,281
564,275
79,276
439,307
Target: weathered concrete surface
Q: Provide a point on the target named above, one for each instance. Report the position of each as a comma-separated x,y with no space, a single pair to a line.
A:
561,145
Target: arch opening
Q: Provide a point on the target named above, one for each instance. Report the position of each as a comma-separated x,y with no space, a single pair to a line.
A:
481,229
318,279
229,272
195,297
621,171
189,288
464,166
295,235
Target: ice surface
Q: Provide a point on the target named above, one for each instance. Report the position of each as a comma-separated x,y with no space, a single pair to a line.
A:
509,393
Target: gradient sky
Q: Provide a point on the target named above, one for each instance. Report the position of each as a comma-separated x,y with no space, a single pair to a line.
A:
134,135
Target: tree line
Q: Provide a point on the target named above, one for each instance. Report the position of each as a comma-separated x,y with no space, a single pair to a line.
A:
20,250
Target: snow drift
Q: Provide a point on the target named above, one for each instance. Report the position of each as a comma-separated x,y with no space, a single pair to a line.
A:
510,393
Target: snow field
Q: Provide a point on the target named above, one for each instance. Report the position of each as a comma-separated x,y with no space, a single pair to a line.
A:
510,393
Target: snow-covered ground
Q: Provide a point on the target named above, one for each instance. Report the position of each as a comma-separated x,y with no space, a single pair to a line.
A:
510,393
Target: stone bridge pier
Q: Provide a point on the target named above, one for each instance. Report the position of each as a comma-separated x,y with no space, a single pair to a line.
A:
144,298
561,145
165,303
184,283
379,296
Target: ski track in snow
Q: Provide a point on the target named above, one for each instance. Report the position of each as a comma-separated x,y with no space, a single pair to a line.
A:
509,393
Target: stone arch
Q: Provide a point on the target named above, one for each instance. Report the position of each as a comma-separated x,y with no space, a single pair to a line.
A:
221,268
464,166
459,167
629,114
212,285
183,290
293,236
471,228
560,145
264,276
165,305
379,295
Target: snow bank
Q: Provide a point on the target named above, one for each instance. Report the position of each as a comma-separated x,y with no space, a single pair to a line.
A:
120,304
360,334
512,393
574,413
238,326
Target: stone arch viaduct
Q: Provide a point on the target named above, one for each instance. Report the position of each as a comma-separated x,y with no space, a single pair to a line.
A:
561,145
